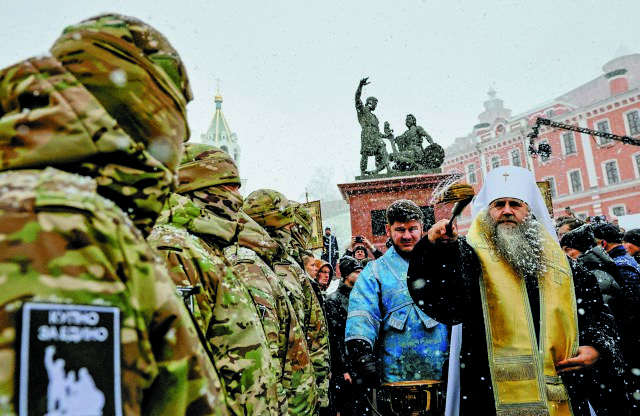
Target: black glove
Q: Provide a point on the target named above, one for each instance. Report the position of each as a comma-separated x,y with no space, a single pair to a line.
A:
364,372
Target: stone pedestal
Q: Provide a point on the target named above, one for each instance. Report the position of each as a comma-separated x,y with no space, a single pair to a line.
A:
369,198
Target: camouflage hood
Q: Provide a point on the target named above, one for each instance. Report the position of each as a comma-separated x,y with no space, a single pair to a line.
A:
202,205
301,230
273,212
108,106
269,208
254,237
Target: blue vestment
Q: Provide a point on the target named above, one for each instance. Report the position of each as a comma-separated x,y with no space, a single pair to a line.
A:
408,344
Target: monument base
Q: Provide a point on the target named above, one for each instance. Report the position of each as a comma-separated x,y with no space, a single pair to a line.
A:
398,173
369,197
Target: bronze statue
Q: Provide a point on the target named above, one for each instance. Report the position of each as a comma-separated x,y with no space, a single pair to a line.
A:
371,137
410,155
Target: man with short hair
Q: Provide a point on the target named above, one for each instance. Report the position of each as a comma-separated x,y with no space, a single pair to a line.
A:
385,328
337,308
530,319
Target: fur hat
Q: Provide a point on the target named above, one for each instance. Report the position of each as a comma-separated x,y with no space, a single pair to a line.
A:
581,238
607,232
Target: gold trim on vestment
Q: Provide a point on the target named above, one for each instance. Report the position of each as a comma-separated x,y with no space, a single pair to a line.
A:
523,372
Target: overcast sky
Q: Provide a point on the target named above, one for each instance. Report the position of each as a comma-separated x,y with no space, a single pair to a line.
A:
288,70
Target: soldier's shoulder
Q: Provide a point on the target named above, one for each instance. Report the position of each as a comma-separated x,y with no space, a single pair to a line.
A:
54,190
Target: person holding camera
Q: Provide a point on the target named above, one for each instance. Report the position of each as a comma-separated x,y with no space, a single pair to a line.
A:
360,248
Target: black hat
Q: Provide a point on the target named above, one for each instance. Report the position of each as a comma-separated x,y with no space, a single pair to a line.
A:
632,236
349,265
581,238
360,247
607,232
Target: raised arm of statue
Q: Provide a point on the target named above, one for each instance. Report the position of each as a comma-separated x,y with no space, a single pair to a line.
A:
359,104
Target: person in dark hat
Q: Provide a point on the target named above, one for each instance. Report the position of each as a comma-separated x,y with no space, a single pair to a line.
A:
610,237
580,245
631,243
337,308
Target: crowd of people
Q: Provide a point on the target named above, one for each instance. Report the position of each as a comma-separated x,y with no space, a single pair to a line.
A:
129,257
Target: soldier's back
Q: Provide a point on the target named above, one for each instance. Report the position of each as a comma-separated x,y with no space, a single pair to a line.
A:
87,303
227,316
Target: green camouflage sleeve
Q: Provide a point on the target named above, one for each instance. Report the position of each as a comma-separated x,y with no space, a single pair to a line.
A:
62,243
317,338
251,270
231,323
299,354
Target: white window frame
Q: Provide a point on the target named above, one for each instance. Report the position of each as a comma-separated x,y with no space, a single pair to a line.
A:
571,190
603,166
600,139
564,148
626,121
636,165
613,207
471,170
513,153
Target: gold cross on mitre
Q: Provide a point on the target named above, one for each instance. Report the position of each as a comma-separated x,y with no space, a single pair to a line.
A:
506,176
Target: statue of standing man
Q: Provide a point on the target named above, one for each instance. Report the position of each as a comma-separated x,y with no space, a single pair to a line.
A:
371,137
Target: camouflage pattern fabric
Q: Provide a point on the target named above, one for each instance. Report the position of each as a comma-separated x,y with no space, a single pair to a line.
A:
62,243
101,108
283,329
191,234
300,232
273,211
269,208
112,108
203,166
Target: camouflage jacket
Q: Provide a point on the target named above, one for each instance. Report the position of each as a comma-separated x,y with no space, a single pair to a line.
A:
283,329
62,243
312,317
226,315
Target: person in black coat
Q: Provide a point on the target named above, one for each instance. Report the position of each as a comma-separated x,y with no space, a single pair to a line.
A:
336,309
580,245
524,353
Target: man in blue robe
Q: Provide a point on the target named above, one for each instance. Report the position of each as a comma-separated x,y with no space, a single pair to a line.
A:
389,339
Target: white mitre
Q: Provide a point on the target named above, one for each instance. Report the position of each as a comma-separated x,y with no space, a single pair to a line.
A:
513,182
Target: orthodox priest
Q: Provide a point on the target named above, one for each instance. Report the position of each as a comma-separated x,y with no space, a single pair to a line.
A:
532,322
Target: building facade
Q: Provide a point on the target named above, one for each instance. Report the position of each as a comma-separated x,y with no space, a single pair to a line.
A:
593,176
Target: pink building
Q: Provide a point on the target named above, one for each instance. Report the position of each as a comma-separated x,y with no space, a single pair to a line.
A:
593,176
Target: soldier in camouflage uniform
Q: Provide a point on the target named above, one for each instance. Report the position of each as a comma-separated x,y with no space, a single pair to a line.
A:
87,134
251,258
300,232
275,214
198,222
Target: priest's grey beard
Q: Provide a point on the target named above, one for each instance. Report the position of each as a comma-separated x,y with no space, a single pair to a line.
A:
520,246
